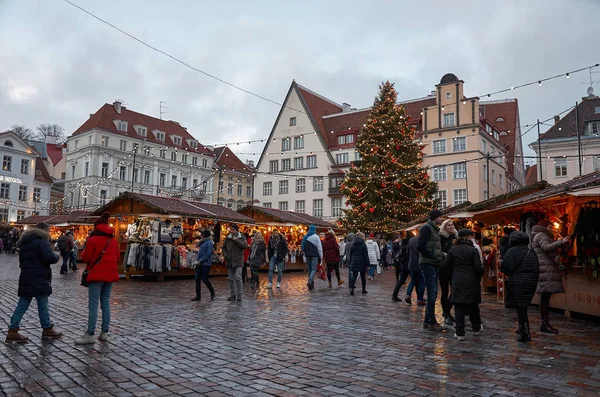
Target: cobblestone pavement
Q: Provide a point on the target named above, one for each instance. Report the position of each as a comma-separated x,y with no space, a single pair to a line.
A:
284,343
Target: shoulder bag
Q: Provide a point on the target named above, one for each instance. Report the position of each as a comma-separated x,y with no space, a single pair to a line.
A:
87,270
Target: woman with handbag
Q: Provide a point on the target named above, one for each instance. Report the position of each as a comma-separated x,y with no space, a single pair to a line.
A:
101,255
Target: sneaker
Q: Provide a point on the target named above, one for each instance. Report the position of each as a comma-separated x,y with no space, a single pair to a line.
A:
278,285
103,337
408,300
86,339
270,285
369,278
459,337
212,297
477,333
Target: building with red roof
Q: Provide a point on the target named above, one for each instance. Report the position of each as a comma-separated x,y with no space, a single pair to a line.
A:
234,179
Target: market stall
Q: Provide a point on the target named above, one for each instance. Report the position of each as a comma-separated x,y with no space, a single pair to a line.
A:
293,225
574,208
158,236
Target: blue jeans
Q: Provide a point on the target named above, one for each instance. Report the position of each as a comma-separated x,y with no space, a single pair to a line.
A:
272,264
372,270
23,305
312,262
416,280
66,257
99,291
430,274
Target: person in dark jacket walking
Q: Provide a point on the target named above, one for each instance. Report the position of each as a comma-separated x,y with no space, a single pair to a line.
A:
505,241
277,251
65,245
447,236
430,259
416,276
233,250
313,251
331,255
35,258
400,257
521,265
550,279
359,261
204,258
350,237
258,257
466,270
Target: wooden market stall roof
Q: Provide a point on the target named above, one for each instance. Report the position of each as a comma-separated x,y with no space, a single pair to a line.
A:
285,216
144,203
74,217
448,210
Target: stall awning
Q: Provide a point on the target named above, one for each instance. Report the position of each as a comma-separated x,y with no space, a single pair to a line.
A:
586,192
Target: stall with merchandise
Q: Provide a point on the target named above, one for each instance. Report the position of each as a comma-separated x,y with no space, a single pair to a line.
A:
293,225
573,207
158,236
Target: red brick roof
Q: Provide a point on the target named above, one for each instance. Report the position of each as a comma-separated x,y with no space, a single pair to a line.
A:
531,175
55,152
566,127
318,106
504,115
41,172
104,117
288,216
226,158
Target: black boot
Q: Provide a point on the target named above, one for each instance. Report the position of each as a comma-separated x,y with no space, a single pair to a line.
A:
525,335
546,328
198,292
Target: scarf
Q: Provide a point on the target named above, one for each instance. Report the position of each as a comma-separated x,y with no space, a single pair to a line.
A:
254,248
274,240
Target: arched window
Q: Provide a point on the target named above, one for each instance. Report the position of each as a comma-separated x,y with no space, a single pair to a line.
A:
499,120
8,143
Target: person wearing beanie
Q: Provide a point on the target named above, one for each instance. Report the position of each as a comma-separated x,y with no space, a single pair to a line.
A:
204,259
374,255
233,250
430,258
35,281
313,251
101,256
550,279
466,269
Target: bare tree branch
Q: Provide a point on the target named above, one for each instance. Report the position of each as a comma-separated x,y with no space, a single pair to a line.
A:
51,130
22,132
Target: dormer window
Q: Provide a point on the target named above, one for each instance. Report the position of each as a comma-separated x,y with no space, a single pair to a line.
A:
122,125
193,144
176,140
499,120
142,131
160,136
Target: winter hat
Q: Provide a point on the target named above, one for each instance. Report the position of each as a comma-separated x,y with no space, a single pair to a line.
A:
103,219
465,233
434,214
206,233
235,226
312,229
372,235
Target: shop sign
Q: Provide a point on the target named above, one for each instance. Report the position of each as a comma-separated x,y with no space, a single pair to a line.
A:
10,179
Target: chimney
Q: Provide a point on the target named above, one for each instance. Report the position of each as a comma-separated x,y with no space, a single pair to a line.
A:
556,119
210,147
91,115
346,107
432,94
117,106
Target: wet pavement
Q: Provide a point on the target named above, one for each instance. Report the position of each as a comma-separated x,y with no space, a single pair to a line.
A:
283,343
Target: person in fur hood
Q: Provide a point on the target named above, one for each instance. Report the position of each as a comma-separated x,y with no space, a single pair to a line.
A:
448,236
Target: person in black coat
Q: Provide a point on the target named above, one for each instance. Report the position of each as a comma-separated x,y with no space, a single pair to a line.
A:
448,235
521,266
35,258
359,261
466,269
400,258
505,241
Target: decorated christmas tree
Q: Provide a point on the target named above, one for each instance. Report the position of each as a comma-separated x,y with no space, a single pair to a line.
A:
389,186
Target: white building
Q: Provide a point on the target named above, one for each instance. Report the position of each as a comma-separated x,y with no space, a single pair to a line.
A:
24,180
118,149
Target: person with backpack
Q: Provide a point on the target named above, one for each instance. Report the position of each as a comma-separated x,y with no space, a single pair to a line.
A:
65,246
400,255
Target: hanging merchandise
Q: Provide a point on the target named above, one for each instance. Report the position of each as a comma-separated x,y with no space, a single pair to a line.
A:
588,240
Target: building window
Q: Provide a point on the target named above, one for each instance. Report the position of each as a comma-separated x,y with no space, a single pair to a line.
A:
494,177
485,195
286,144
177,140
194,183
318,208
267,205
485,173
274,166
103,196
299,142
439,146
230,189
298,163
86,168
194,144
311,161
72,172
248,191
173,181
22,193
439,173
460,171
147,177
283,187
173,156
76,144
283,205
104,170
91,140
184,158
122,173
7,163
240,190
484,146
37,194
441,198
560,167
160,136
221,186
460,196
162,179
267,188
3,214
318,184
459,144
105,141
230,204
343,139
449,120
195,160
593,128
292,121
20,215
336,207
135,174
123,145
300,206
300,185
357,156
121,126
163,153
341,158
448,95
24,166
500,182
204,163
184,182
286,164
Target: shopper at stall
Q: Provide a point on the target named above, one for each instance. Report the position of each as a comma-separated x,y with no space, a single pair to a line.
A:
65,245
277,251
400,260
258,257
331,252
447,236
416,275
73,253
505,241
313,251
204,258
233,251
246,256
374,255
550,279
466,271
430,258
520,264
35,258
101,256
358,262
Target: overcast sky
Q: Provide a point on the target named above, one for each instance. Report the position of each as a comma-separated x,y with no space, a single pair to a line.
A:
58,65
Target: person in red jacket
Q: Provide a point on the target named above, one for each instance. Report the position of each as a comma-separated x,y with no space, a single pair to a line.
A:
101,256
331,253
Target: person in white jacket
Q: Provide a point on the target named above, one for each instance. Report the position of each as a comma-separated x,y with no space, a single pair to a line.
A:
374,255
313,251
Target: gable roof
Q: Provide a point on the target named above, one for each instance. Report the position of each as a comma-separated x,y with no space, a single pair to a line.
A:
73,217
531,175
41,172
55,152
104,118
12,135
567,126
226,158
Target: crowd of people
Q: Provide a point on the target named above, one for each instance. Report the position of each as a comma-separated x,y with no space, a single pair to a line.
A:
439,255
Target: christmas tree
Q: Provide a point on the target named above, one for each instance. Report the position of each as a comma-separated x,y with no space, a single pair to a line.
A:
389,186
